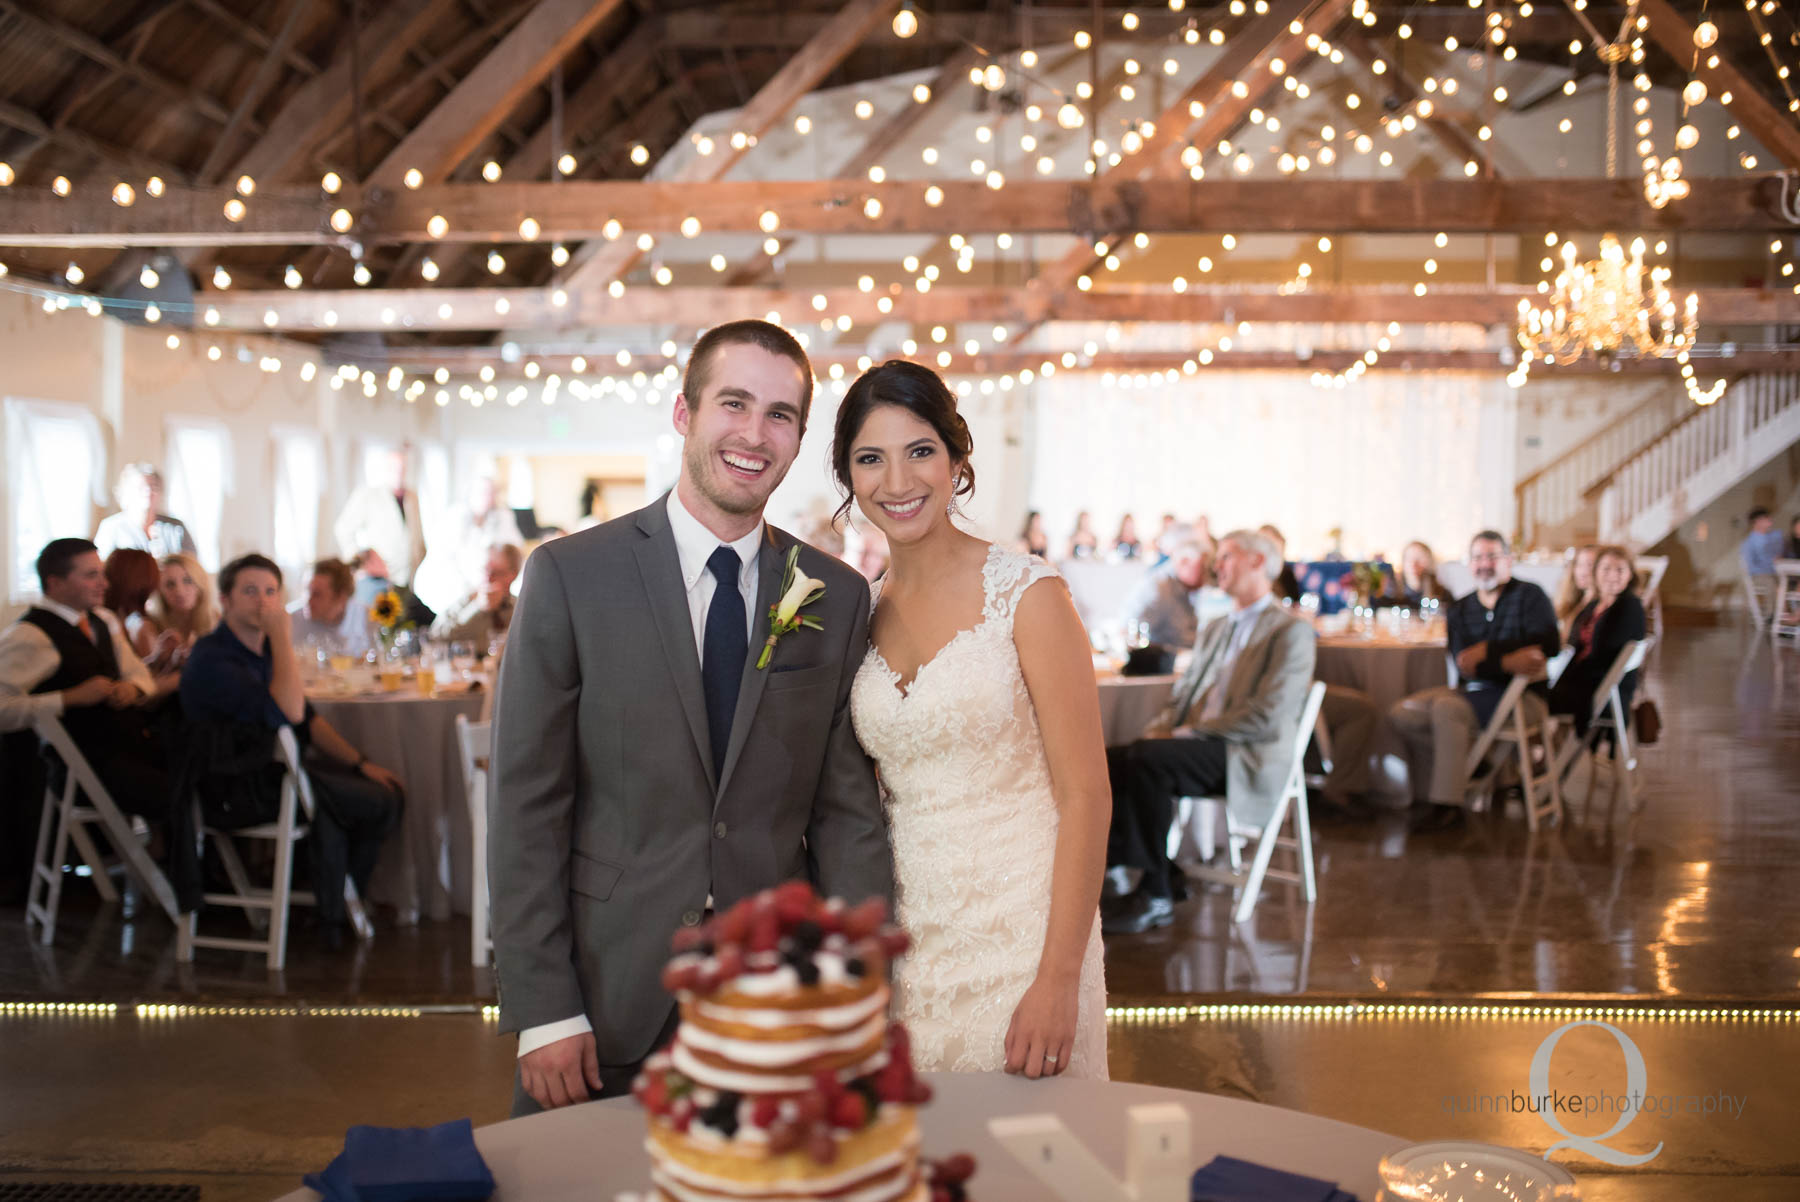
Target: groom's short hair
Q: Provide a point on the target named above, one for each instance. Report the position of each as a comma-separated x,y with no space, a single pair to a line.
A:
769,336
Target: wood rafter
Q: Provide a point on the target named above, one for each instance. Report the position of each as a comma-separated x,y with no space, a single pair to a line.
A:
599,263
484,97
428,309
578,209
1453,137
1772,127
266,73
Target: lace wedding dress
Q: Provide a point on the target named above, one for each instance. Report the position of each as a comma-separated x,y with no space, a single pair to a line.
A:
974,826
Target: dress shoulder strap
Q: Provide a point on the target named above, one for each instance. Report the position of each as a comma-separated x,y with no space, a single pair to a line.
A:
1006,577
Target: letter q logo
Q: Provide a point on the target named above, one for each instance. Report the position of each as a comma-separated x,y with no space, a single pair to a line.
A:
1636,1078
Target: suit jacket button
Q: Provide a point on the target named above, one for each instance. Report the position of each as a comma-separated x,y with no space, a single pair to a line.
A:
691,918
718,830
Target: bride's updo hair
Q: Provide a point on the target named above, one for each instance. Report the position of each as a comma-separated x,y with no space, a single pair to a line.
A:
922,393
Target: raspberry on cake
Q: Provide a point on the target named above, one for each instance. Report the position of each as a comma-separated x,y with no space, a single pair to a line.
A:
785,1080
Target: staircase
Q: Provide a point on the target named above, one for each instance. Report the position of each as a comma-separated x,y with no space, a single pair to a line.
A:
1556,503
1693,463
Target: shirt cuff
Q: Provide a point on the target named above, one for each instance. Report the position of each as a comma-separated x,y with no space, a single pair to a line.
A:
533,1038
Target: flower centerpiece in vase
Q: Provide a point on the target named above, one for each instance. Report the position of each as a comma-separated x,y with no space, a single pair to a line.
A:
393,629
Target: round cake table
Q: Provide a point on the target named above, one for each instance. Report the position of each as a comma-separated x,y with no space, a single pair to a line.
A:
590,1153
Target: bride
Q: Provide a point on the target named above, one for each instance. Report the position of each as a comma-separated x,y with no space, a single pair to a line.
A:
977,702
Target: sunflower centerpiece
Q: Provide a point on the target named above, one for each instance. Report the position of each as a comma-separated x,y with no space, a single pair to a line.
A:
392,627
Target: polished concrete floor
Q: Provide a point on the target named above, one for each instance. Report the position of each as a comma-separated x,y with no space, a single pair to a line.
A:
1693,902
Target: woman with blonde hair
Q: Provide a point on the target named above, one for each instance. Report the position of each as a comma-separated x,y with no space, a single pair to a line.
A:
1577,587
183,606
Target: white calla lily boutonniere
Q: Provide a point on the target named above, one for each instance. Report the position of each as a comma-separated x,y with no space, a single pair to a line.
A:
798,590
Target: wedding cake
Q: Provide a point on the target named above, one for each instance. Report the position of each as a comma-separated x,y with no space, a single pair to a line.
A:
785,1079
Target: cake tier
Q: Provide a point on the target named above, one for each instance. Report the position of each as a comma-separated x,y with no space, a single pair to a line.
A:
880,1163
770,1043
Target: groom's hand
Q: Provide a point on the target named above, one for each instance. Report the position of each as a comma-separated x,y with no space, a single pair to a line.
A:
561,1073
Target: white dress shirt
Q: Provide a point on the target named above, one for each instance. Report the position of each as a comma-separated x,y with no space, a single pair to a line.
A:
1242,622
166,536
694,545
28,658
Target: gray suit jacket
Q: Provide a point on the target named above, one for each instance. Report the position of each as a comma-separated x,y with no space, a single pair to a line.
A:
1263,700
606,826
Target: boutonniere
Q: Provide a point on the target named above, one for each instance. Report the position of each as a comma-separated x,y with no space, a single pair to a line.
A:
798,590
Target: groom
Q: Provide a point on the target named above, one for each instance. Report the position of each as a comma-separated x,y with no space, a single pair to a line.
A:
644,768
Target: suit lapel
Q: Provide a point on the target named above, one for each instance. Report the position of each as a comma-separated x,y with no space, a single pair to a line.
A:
1241,669
1200,671
768,589
660,569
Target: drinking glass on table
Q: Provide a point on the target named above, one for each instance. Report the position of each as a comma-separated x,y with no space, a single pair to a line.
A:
462,659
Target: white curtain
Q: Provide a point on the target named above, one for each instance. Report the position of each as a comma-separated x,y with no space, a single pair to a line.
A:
1390,459
299,485
197,470
54,471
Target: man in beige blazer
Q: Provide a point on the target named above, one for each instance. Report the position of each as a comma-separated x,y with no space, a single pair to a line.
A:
1229,728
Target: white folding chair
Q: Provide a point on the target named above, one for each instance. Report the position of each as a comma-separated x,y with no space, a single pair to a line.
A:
66,819
1650,570
1753,596
1530,743
473,740
1204,812
1784,613
267,909
1610,715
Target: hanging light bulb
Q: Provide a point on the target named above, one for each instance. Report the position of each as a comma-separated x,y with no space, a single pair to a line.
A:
291,277
1068,116
566,165
559,255
7,176
414,178
496,263
362,275
148,278
906,22
124,195
221,278
331,182
73,273
429,268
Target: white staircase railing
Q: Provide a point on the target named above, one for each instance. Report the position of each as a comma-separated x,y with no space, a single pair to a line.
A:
1646,499
1561,490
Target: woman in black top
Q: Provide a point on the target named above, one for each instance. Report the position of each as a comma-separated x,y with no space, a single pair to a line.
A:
1601,629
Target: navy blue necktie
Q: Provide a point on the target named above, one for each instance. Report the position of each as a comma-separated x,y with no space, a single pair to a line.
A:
726,645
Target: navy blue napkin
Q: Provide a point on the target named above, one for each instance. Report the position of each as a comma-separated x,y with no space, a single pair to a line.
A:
407,1164
1227,1179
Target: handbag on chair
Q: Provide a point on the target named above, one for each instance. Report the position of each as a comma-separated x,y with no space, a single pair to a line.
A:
1646,719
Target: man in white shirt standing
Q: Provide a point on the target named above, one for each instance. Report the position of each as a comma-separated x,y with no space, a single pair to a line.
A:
138,525
384,514
69,658
1228,730
647,764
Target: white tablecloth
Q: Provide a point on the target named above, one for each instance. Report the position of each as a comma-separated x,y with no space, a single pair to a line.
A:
425,865
1386,671
1127,703
589,1153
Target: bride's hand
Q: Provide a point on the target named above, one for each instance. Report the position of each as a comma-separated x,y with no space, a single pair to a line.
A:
1042,1033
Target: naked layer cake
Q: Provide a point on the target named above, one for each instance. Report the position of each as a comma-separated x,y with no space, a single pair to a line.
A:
786,1081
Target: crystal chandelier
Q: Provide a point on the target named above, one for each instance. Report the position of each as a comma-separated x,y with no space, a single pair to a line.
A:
1603,308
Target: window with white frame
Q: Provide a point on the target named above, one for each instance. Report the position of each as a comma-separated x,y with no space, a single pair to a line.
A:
197,472
299,483
54,472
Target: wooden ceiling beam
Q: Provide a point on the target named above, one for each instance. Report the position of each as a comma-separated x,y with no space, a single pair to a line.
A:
1770,126
448,309
489,93
598,263
95,50
267,71
1453,137
571,210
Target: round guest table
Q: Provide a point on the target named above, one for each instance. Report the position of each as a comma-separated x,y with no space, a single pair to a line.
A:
590,1153
1385,668
424,866
1127,703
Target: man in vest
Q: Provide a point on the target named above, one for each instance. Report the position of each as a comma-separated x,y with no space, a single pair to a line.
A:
69,658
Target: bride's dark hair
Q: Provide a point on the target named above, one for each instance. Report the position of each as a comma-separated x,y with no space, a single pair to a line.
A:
922,393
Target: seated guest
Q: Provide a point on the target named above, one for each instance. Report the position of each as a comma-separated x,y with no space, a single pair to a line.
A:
325,617
1287,585
132,578
1577,587
484,615
244,673
68,658
1761,547
1164,600
1125,545
374,579
1084,543
183,608
1505,628
1613,618
1416,582
1034,539
1167,537
1228,730
138,525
